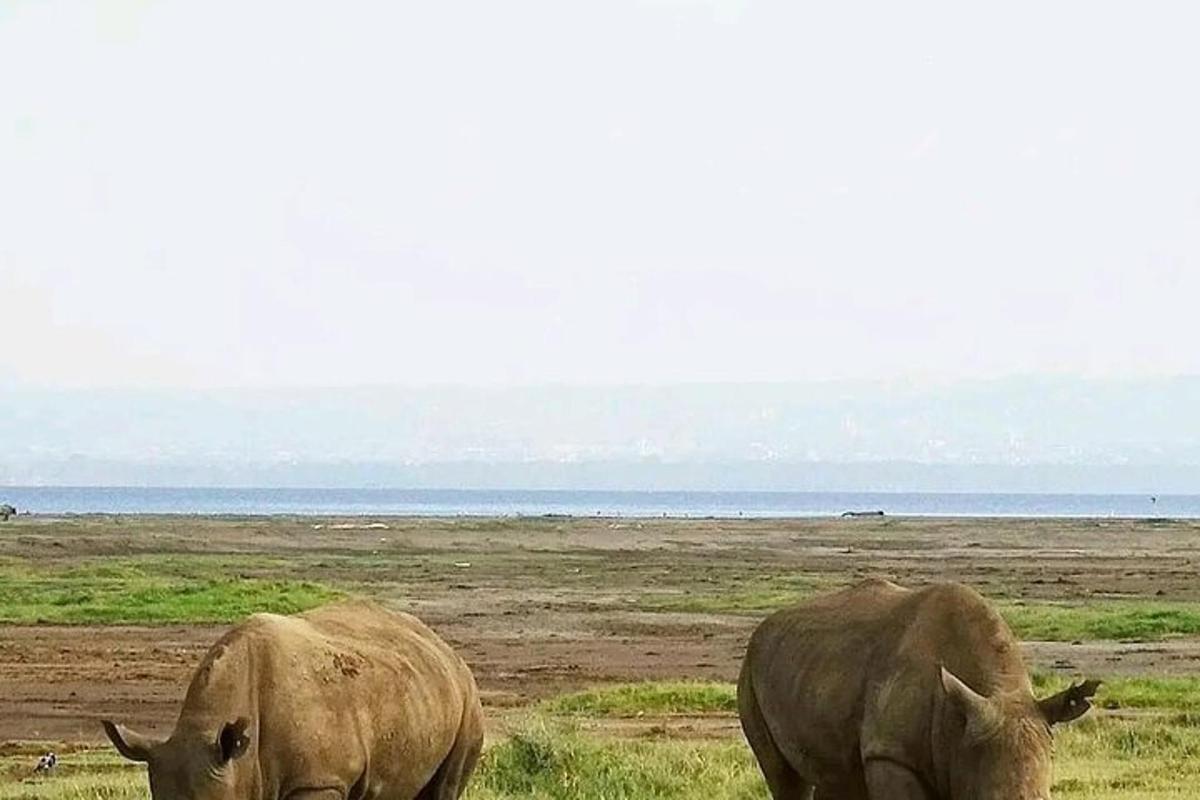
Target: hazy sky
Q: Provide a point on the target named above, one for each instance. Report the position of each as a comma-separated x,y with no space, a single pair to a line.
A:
210,193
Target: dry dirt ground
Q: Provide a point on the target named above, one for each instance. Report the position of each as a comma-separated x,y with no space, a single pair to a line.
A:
540,606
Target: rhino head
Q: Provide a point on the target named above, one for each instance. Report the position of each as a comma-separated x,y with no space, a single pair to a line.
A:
1005,748
194,764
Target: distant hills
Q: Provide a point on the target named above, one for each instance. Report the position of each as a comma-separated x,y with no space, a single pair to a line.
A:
1026,434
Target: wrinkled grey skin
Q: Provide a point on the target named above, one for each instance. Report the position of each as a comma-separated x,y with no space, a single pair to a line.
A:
877,692
348,701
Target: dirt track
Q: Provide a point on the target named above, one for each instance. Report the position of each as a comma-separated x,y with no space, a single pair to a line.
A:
541,606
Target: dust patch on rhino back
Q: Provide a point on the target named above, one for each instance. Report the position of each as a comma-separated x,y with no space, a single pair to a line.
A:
348,664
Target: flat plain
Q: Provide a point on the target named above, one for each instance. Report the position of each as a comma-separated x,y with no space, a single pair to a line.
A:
605,647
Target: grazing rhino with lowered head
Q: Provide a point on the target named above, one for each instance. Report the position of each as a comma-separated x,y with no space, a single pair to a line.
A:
878,692
347,702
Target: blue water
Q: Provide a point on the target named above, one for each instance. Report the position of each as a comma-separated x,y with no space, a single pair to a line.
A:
482,502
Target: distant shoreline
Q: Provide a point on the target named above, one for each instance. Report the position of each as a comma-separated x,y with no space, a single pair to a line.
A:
576,504
334,517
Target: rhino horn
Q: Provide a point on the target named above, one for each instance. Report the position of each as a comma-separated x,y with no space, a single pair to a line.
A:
130,744
982,716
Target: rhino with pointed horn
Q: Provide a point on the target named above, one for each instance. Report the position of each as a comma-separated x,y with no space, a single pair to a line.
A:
878,692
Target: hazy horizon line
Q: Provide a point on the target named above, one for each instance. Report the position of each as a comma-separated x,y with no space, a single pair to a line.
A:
930,379
581,490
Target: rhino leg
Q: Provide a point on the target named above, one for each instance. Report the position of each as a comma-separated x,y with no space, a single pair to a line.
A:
842,792
890,781
317,794
450,780
783,781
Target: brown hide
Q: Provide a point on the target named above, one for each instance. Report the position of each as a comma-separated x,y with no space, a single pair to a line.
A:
347,701
880,692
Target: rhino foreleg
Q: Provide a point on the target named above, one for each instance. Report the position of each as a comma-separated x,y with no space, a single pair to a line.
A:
888,780
317,794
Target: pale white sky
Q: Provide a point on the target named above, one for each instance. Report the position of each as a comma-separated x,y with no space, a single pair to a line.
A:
234,193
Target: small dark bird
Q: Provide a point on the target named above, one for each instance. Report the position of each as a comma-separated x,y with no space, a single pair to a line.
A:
46,763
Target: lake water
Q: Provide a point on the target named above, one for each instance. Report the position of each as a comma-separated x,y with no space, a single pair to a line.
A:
483,502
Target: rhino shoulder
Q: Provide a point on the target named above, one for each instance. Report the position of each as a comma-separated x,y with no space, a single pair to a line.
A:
955,601
365,616
264,621
960,629
878,585
867,599
954,593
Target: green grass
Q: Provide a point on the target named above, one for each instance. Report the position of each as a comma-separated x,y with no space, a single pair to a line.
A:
753,595
555,763
1117,620
541,761
148,590
1177,693
635,699
1096,759
1143,759
81,775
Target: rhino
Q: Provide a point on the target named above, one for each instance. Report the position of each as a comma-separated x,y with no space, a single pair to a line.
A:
878,692
350,701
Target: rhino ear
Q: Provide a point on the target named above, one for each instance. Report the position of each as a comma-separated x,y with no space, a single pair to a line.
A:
130,744
981,716
233,740
1071,703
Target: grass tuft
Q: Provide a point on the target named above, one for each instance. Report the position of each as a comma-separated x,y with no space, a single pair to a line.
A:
1114,620
556,763
145,591
635,699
